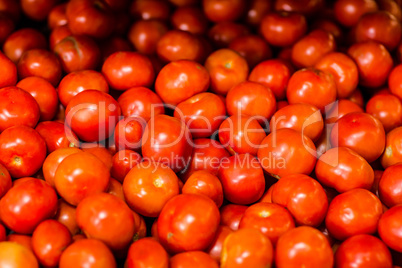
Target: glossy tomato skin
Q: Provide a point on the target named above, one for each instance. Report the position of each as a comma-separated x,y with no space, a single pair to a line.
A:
74,180
192,259
127,69
66,215
142,102
343,169
354,212
147,252
15,255
20,208
247,248
23,111
303,196
49,240
223,33
77,53
148,10
9,71
312,86
167,140
389,228
123,161
231,215
339,109
373,61
179,80
351,252
387,108
355,131
128,133
87,252
218,11
182,228
92,115
303,245
271,219
392,152
56,135
108,218
287,151
241,134
145,34
390,186
215,249
5,181
58,34
22,152
226,69
302,117
148,186
274,74
57,16
242,179
348,12
394,81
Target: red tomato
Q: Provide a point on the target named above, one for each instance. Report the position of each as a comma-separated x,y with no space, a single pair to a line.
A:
393,150
128,133
87,252
394,81
9,71
303,245
287,151
271,219
57,16
148,186
354,212
147,252
22,151
218,11
183,228
16,256
20,208
247,248
339,109
389,228
343,169
215,249
390,186
303,196
145,34
348,12
80,175
107,218
24,111
363,251
56,135
5,181
242,179
231,215
123,161
223,33
49,240
67,216
193,259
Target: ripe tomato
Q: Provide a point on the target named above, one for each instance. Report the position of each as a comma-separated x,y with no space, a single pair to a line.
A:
16,256
20,208
303,245
231,215
389,228
183,228
354,212
392,152
390,186
123,161
223,33
348,12
56,135
247,248
215,249
49,240
9,71
147,252
5,181
193,259
67,216
145,34
148,186
218,11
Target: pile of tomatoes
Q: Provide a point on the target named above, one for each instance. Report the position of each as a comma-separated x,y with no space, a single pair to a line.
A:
200,133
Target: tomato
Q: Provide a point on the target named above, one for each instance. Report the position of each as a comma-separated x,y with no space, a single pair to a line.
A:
274,74
242,179
101,153
241,134
218,11
126,69
123,161
20,208
5,181
150,9
56,135
362,251
339,109
192,259
17,256
145,34
183,228
247,248
373,61
306,7
9,71
80,175
223,33
303,245
167,140
142,102
215,249
257,9
190,19
87,252
283,29
22,152
49,240
394,82
23,240
355,131
148,186
389,228
231,215
58,34
287,151
348,12
312,86
343,169
57,16
226,69
147,252
21,41
354,212
107,218
179,80
302,117
90,17
390,186
303,196
67,216
24,111
392,152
